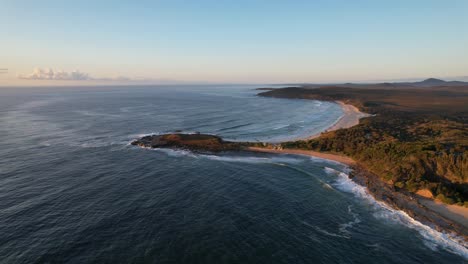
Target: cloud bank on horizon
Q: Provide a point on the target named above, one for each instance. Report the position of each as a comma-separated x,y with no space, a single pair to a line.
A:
60,75
42,75
50,74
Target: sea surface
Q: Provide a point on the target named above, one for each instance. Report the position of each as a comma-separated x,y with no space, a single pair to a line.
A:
72,189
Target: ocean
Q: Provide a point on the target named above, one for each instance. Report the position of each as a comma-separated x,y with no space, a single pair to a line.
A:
73,190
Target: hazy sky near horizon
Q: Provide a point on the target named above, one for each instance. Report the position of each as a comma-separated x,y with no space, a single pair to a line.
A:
230,41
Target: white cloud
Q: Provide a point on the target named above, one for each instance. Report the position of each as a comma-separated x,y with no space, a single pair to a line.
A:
49,74
59,75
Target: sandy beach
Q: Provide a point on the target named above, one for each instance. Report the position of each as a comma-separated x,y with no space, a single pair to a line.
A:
351,116
329,156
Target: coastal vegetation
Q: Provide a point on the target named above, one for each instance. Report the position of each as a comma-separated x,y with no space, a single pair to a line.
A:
416,139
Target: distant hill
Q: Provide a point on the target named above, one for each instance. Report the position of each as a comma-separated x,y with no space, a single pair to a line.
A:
435,82
430,82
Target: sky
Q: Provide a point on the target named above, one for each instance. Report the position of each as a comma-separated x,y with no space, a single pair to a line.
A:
119,42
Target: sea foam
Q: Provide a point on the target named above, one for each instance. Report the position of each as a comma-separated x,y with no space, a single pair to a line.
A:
250,159
432,238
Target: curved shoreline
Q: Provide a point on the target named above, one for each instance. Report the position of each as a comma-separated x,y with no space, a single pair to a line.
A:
351,116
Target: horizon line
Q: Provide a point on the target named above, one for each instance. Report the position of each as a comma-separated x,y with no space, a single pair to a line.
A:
198,83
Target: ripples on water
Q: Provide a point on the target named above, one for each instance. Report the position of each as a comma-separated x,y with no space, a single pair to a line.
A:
73,190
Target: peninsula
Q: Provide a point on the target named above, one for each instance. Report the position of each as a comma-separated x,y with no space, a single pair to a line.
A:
194,142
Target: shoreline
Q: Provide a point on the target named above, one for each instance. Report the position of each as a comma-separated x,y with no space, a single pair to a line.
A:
453,212
454,215
329,156
351,116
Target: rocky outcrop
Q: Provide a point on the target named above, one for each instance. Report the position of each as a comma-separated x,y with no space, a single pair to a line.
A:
405,201
192,142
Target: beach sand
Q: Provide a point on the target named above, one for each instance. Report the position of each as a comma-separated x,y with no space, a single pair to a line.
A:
328,156
350,118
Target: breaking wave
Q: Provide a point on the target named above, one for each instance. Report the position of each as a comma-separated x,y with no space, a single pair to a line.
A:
250,159
344,227
432,238
175,152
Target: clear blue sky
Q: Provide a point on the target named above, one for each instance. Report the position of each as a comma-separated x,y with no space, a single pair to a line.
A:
236,41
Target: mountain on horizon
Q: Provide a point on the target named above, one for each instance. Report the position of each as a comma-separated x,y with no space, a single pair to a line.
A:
429,82
435,82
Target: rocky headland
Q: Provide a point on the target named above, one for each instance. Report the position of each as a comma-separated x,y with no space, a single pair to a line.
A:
193,142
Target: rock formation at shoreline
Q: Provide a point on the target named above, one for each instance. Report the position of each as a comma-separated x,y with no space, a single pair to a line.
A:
193,142
403,200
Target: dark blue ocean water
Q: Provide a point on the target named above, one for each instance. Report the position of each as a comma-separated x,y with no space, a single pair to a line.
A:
72,190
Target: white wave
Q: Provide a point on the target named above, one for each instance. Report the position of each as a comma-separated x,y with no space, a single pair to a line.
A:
432,238
331,171
96,114
137,136
38,103
175,152
282,161
250,159
157,133
325,232
129,109
317,159
95,143
281,126
350,224
45,143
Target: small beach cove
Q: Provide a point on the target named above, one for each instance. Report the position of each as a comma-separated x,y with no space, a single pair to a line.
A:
351,116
